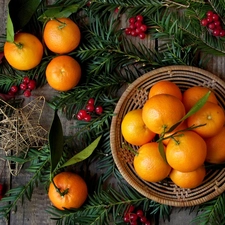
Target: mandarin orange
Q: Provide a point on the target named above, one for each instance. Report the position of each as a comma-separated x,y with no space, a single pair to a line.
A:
149,164
186,151
161,112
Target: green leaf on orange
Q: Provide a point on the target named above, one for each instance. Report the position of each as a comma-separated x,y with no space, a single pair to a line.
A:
84,154
9,29
56,141
162,151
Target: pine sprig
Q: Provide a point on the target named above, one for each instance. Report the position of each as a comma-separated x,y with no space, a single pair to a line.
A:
212,212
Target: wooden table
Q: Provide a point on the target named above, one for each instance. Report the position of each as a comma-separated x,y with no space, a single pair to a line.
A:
34,212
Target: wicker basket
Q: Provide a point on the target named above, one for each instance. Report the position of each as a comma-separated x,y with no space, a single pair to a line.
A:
165,192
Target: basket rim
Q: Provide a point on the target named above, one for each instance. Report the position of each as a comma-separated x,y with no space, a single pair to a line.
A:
114,123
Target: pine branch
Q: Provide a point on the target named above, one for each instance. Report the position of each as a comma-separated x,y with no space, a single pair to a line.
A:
212,212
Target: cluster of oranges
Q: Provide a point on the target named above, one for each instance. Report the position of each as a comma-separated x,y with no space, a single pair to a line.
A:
170,143
60,36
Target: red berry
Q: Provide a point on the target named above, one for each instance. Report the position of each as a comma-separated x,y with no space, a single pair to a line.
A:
126,218
143,27
90,107
132,20
147,223
138,24
139,18
26,80
142,35
217,23
87,118
215,17
133,217
14,89
131,209
27,93
128,31
91,101
140,213
132,26
209,13
99,110
204,22
143,219
209,19
32,84
23,86
138,30
211,26
79,117
116,10
216,32
133,223
133,33
82,113
222,33
11,93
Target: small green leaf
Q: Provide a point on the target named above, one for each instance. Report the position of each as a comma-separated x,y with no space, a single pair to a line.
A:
9,29
55,141
59,12
84,154
161,150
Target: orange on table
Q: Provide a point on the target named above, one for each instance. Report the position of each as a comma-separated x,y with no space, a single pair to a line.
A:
63,73
61,35
165,87
134,130
73,191
193,94
25,52
149,164
162,111
186,152
212,115
181,127
216,148
188,179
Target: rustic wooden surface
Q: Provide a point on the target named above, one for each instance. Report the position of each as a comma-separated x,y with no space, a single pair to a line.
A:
34,212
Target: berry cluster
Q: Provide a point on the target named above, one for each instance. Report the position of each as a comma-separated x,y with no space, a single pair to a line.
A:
85,114
213,23
136,27
135,217
26,86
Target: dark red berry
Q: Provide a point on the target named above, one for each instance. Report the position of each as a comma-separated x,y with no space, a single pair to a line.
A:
91,101
82,113
133,223
131,209
27,93
138,24
143,219
90,107
132,26
147,223
142,35
140,213
211,26
217,23
143,27
1,188
116,10
10,93
23,86
79,117
126,218
222,33
209,13
128,31
87,118
26,80
216,32
14,89
132,20
31,85
209,19
133,33
133,216
204,22
139,18
138,30
99,110
215,17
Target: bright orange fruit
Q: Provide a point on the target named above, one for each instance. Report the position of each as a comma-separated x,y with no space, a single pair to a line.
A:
161,112
165,87
25,52
61,35
134,130
149,164
186,151
63,73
